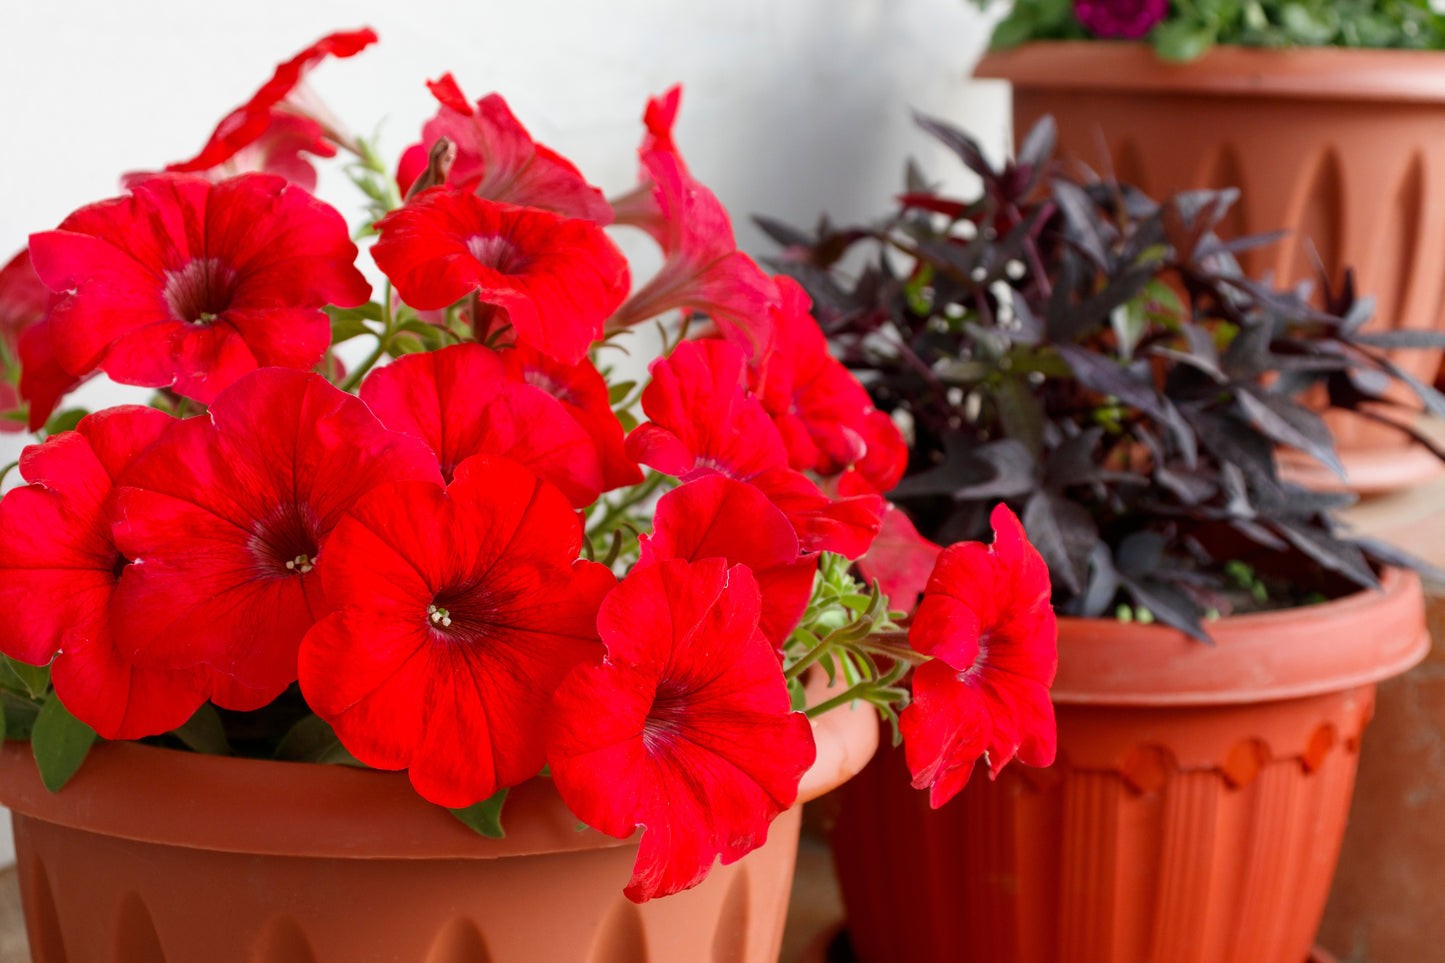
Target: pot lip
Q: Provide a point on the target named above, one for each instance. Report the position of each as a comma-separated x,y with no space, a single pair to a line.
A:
1298,73
1356,640
269,808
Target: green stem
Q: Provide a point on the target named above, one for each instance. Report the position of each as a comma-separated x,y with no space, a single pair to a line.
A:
619,510
881,644
809,657
383,341
841,699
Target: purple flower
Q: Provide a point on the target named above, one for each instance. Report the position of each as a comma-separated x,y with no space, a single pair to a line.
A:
1120,19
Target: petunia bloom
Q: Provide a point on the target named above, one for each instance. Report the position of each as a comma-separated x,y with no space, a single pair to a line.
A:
704,270
460,401
703,421
497,159
639,207
279,124
554,279
825,416
28,369
190,284
986,621
900,559
58,571
1120,19
459,610
582,391
684,729
716,517
227,518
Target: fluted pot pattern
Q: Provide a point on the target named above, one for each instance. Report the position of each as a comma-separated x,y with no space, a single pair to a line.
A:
1194,815
156,856
1344,148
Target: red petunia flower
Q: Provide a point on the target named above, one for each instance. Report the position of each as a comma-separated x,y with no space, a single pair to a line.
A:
703,421
703,270
639,207
227,517
460,402
899,559
459,611
194,284
986,620
58,571
281,122
685,728
498,160
24,301
825,416
43,382
555,279
716,517
581,390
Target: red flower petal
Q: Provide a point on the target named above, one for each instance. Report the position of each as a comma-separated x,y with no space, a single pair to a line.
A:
583,393
557,279
460,402
659,117
25,335
824,414
498,160
704,269
715,517
24,299
228,514
191,284
704,421
459,612
58,571
263,134
685,729
986,617
900,559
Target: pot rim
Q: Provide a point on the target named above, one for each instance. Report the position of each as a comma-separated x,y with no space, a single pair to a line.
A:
270,808
1356,640
1298,73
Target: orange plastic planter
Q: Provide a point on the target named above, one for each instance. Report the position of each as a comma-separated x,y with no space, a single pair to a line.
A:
154,856
1344,147
1194,815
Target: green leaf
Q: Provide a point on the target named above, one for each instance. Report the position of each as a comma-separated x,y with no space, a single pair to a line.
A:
618,393
485,817
5,472
60,743
629,421
1182,40
204,733
19,713
797,695
311,739
32,680
65,421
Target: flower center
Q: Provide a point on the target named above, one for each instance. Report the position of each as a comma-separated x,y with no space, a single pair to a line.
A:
497,253
667,719
286,542
200,292
439,616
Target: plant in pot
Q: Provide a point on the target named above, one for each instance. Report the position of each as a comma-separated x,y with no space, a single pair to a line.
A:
467,562
1099,362
1327,117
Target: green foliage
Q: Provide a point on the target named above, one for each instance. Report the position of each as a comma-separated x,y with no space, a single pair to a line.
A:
60,743
1191,27
485,817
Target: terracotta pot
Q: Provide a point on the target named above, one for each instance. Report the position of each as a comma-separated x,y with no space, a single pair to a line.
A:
155,856
1194,814
1344,147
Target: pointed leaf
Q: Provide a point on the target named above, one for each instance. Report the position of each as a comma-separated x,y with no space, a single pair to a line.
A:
60,743
485,817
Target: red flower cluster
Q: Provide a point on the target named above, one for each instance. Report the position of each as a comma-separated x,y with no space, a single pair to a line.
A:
422,561
279,124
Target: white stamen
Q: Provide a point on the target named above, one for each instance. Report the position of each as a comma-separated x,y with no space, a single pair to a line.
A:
301,563
439,616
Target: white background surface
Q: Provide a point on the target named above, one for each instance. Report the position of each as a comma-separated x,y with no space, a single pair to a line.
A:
790,107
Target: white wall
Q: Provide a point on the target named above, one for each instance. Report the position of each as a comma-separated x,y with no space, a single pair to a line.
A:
791,107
